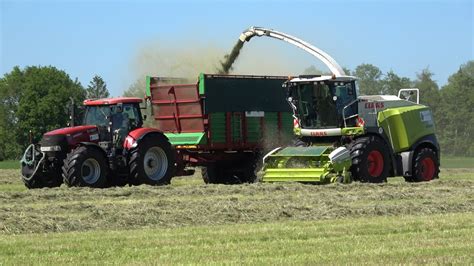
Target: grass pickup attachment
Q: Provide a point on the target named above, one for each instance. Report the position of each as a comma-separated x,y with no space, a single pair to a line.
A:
320,164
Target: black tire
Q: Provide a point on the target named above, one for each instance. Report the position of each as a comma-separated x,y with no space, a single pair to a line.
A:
212,174
85,166
370,160
42,180
425,166
145,157
231,172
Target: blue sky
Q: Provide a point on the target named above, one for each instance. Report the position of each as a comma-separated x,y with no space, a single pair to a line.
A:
106,37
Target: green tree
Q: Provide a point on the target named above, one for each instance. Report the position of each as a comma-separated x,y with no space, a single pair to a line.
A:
392,83
369,79
97,88
312,70
455,126
36,99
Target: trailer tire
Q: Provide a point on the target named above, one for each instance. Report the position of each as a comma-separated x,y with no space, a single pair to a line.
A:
425,166
85,166
152,162
212,174
370,160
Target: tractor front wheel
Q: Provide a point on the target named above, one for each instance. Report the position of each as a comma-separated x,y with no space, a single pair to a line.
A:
370,160
85,167
425,166
152,162
43,179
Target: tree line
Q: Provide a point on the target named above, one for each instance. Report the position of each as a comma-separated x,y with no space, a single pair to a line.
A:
36,99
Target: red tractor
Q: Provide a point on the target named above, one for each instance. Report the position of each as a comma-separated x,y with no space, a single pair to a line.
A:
110,148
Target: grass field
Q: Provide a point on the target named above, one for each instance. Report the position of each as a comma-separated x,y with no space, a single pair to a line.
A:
190,222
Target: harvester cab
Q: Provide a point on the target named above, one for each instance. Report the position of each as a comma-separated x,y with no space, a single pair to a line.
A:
110,148
342,136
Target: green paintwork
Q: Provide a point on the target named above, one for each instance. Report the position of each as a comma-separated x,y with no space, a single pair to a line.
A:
353,131
217,127
186,138
148,89
201,84
404,125
300,164
302,151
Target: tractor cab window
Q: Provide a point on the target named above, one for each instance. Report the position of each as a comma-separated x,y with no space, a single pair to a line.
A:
97,115
101,115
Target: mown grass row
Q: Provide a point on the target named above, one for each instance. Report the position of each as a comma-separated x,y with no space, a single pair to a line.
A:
433,239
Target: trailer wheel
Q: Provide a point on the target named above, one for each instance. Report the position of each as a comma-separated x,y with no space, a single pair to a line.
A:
85,166
370,160
425,166
213,173
152,162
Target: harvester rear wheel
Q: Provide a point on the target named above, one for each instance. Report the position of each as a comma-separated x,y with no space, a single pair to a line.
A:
370,160
425,166
85,166
152,162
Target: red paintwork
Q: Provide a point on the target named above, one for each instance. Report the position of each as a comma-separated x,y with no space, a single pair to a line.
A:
137,134
69,130
375,161
76,135
110,101
427,169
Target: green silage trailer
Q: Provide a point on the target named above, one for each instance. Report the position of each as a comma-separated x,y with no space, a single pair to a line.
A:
222,123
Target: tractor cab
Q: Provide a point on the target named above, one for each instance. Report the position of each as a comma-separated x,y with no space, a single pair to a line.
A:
114,118
320,103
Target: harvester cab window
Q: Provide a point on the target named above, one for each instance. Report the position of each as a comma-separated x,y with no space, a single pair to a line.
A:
316,106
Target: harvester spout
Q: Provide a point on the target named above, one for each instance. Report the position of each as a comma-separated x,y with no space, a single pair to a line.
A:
333,66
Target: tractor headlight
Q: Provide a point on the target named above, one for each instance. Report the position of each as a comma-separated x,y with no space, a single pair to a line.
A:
51,148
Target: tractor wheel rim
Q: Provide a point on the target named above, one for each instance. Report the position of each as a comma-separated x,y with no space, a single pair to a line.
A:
427,169
155,163
90,171
375,163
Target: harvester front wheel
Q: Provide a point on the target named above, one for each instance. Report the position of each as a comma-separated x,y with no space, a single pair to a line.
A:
152,162
85,166
425,166
370,160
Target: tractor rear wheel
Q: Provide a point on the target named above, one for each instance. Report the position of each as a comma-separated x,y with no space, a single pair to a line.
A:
370,160
85,166
152,162
425,166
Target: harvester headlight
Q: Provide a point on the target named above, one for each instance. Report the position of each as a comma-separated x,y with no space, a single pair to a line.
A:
51,148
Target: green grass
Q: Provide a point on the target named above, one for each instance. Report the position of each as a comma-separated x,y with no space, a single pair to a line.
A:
11,164
189,222
457,162
380,240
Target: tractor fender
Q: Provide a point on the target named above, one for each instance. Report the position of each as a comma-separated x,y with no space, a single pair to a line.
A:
429,141
135,136
93,144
